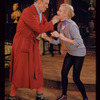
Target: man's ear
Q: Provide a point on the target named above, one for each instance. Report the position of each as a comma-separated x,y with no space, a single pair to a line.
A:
39,1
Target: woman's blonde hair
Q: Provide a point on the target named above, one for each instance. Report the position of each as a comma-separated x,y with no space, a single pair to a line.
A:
69,10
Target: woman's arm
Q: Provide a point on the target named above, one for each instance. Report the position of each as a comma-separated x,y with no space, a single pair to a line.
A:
51,40
62,37
75,35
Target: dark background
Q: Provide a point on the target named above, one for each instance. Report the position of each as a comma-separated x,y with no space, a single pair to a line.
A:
81,8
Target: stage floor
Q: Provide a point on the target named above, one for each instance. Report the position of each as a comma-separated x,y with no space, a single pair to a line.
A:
52,68
52,76
50,93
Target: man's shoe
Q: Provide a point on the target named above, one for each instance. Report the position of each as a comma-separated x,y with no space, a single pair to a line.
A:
63,97
12,97
41,98
16,98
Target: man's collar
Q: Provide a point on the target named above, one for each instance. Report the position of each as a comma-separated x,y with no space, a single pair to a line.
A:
40,14
37,10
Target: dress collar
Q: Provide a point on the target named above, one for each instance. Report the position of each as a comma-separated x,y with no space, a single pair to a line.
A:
64,22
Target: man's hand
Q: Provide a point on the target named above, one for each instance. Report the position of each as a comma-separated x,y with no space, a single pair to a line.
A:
55,19
44,36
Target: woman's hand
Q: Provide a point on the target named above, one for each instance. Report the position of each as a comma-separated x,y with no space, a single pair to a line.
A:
55,34
61,36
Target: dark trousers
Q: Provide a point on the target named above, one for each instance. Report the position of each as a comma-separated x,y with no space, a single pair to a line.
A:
77,63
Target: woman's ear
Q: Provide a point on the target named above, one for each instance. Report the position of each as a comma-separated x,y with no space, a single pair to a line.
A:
66,14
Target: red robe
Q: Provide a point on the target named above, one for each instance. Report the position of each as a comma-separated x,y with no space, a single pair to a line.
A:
26,67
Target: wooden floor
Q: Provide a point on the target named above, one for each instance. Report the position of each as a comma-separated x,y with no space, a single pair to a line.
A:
52,73
52,68
50,93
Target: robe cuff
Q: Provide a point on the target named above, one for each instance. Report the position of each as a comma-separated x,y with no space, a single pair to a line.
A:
51,26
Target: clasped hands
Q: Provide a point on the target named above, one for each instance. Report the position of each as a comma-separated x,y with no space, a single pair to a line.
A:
53,34
57,35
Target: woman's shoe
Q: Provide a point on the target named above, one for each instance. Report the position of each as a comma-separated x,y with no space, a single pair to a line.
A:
85,99
63,97
41,98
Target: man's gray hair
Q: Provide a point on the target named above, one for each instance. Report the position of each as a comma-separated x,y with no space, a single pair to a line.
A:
36,0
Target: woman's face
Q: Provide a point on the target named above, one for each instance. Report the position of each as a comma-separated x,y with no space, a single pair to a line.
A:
61,13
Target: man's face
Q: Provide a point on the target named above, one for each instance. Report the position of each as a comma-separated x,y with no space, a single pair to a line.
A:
44,5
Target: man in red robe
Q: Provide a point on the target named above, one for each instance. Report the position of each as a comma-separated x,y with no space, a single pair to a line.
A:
26,67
